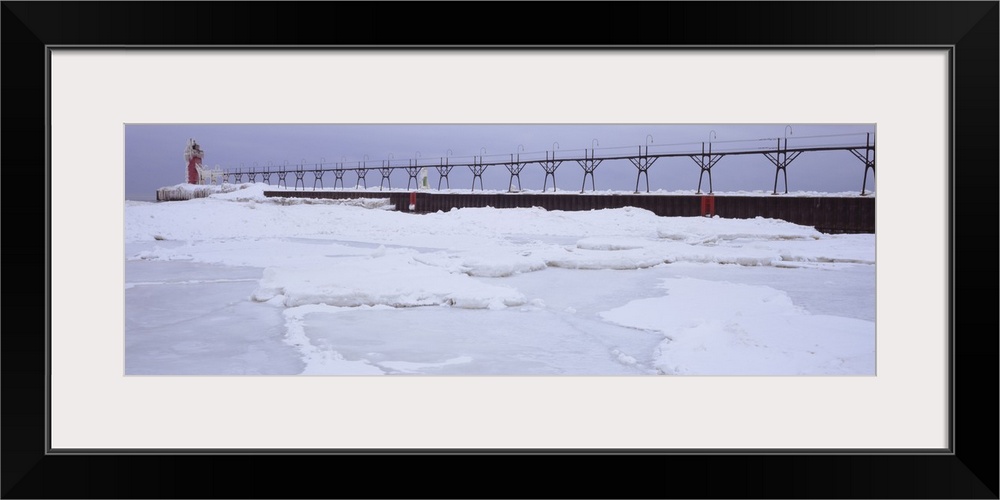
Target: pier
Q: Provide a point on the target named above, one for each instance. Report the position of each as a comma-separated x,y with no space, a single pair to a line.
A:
828,214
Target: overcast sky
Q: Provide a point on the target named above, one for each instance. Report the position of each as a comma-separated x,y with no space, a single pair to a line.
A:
154,153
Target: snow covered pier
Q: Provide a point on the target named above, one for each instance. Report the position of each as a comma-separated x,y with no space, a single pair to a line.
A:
183,192
828,214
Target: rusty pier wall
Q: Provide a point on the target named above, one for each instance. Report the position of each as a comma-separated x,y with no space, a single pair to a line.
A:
827,214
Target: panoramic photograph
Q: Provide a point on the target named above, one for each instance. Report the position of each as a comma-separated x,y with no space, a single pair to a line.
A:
500,250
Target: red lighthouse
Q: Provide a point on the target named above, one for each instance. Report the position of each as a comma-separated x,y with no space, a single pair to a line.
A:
193,155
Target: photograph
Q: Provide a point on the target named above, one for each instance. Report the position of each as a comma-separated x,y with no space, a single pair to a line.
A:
629,251
707,264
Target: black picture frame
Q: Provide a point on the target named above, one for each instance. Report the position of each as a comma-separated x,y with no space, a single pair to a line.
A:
968,470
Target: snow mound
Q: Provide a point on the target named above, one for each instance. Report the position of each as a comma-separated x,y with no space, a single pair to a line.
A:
742,256
640,258
395,280
242,192
492,263
719,328
837,248
611,244
535,221
705,230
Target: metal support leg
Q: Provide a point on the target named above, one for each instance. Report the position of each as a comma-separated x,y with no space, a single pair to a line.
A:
588,165
868,159
299,177
385,171
445,177
510,185
545,183
780,169
550,166
638,176
781,159
362,172
706,161
443,169
865,181
642,163
412,173
477,172
701,175
514,167
338,176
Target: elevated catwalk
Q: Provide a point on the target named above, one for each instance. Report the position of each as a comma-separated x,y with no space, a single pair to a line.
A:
827,214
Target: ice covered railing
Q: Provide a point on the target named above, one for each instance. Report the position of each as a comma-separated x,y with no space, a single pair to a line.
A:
210,176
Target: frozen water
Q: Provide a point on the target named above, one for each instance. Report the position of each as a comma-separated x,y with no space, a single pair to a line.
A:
236,283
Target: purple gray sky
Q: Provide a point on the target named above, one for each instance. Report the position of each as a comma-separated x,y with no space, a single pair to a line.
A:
154,153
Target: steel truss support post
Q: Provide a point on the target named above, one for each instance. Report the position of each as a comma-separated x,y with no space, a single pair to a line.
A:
477,168
385,170
550,166
267,174
514,167
706,161
253,174
515,171
413,171
588,165
362,171
443,170
239,176
318,176
338,175
868,159
300,173
781,159
299,177
642,162
282,172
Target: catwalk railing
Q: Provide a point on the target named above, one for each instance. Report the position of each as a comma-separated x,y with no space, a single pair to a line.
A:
780,154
